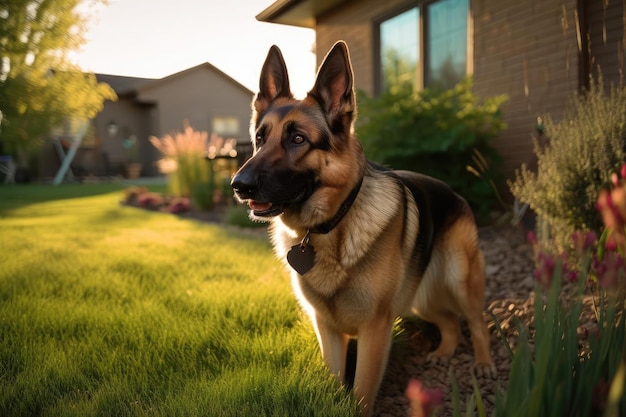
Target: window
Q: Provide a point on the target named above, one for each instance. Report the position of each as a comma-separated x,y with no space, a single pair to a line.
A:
400,50
424,46
226,127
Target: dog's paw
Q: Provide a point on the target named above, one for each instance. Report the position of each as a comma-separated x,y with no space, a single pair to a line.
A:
437,359
485,370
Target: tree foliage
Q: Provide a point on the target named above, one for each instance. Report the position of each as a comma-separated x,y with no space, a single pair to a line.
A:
39,86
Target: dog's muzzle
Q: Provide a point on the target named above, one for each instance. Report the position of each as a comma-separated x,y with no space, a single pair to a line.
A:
246,188
268,197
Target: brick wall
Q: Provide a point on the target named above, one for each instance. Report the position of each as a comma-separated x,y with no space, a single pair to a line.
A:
604,23
527,50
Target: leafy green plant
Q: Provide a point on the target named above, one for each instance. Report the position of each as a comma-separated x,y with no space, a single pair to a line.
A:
581,153
434,132
202,195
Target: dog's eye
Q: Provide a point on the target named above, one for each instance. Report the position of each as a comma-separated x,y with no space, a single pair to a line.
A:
298,139
259,139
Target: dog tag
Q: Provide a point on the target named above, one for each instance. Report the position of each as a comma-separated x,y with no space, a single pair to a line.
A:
301,257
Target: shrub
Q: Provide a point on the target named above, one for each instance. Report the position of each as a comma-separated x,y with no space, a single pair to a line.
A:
582,151
202,195
434,132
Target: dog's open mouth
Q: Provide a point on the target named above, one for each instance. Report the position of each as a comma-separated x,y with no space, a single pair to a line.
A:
261,209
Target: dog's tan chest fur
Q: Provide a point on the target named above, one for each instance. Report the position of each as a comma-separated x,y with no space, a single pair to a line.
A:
342,285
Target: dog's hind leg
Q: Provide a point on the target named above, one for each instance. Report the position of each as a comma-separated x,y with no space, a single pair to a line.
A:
471,304
448,325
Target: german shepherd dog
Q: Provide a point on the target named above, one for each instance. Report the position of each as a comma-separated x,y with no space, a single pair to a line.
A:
364,244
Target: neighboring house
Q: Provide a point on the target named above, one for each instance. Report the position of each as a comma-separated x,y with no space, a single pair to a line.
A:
203,95
538,52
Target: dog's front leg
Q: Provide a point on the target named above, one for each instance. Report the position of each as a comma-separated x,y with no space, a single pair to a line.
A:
374,342
334,346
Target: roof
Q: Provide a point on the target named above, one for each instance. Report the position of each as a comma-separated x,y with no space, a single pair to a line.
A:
206,65
123,85
297,12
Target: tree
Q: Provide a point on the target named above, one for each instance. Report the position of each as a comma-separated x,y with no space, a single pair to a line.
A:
39,87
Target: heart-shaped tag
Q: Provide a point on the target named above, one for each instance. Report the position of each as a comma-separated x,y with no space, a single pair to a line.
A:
301,258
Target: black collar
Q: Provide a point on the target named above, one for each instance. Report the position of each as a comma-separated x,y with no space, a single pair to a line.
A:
326,227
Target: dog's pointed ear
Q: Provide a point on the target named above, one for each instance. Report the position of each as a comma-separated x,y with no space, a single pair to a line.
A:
274,80
334,88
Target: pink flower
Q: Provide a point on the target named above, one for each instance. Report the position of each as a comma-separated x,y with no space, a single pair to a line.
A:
614,179
622,172
610,269
612,207
149,200
423,401
179,205
584,242
572,276
599,395
610,245
544,271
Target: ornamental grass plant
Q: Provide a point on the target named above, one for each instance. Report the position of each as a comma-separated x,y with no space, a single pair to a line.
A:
184,160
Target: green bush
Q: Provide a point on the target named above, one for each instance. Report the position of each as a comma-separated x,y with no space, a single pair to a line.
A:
202,195
582,151
436,133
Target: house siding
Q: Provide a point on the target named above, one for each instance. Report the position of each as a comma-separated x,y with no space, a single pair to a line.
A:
524,49
198,97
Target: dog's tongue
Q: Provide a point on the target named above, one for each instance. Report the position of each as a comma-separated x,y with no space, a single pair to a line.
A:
257,206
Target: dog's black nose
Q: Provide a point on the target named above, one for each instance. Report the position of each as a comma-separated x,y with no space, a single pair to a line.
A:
244,184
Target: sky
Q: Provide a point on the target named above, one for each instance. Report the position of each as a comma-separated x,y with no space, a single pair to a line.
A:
157,38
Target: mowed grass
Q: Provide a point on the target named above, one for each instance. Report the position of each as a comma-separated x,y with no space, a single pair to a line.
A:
108,310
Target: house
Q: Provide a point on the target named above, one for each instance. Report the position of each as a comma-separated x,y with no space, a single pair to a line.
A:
538,52
203,95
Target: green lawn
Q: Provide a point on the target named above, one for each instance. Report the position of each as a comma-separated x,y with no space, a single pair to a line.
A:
108,310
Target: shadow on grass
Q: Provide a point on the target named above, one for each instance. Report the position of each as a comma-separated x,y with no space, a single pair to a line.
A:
21,195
